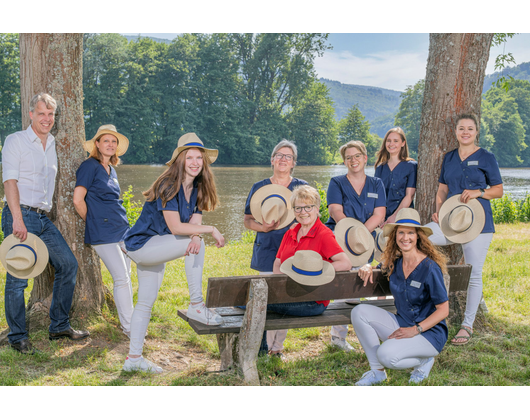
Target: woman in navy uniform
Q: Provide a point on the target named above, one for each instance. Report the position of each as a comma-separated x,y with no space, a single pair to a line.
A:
268,236
170,227
469,170
97,200
397,171
355,195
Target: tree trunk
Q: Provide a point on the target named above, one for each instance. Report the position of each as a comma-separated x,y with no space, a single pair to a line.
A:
453,84
53,63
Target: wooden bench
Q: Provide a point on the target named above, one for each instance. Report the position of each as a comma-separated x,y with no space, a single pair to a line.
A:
239,338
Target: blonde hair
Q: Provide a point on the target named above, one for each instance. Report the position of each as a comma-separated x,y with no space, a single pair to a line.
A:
307,194
383,156
359,145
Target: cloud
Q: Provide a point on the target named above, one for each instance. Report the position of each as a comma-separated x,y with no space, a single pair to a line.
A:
390,69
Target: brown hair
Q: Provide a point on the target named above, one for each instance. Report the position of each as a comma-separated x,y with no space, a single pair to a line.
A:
359,145
96,154
168,184
424,245
469,116
383,156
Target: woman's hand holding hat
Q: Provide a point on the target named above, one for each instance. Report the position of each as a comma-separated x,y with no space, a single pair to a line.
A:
267,227
469,194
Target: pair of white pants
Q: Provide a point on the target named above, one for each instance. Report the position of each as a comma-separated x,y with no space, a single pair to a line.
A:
474,254
119,267
275,338
372,325
341,331
151,262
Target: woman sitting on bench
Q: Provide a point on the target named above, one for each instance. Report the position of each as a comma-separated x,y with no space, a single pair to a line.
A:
418,331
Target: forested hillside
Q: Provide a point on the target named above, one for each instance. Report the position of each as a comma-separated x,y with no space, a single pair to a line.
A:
520,72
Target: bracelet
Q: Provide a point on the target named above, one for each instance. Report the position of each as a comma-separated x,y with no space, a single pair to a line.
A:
419,328
196,234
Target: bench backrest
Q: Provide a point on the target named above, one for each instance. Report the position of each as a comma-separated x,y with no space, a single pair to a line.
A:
233,291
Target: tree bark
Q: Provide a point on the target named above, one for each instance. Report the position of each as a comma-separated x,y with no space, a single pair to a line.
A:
53,63
453,84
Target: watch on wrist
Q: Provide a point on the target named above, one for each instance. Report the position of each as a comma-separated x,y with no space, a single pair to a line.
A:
419,328
482,191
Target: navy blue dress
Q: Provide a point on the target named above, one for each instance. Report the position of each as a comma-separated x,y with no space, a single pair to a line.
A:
396,183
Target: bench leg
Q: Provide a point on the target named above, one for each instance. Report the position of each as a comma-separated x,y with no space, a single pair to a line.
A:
226,342
251,331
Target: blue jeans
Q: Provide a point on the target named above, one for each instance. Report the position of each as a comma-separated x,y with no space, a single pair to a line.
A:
63,261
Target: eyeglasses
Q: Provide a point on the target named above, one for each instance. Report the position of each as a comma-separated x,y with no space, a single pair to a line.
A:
280,156
358,156
306,208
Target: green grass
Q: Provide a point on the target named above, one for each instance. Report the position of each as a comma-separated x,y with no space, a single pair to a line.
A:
499,353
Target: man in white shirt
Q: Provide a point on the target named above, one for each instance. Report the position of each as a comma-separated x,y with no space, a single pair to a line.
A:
29,167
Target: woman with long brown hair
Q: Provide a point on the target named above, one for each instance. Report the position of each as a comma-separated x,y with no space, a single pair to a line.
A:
397,171
168,228
417,332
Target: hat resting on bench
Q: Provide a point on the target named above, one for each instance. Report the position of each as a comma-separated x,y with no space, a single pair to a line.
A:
308,268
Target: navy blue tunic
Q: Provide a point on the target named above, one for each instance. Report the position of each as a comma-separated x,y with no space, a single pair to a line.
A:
396,183
151,221
476,171
106,218
267,244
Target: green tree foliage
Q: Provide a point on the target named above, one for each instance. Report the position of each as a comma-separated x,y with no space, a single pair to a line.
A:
355,127
10,117
409,115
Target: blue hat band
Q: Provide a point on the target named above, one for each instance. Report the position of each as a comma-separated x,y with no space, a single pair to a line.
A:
414,222
377,242
272,196
305,272
346,242
195,144
30,248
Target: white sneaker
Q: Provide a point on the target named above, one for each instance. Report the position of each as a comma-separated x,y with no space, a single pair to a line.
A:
341,343
372,377
204,315
136,364
422,371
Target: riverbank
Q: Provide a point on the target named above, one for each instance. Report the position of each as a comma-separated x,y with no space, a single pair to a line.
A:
499,353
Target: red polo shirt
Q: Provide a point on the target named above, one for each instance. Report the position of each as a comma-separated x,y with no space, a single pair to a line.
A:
319,239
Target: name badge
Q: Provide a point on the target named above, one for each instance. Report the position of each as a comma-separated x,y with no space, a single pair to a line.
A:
373,195
415,284
472,163
115,180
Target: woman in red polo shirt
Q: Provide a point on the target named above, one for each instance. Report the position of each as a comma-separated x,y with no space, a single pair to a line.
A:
309,234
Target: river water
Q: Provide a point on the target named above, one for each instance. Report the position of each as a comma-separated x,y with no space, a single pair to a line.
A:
234,183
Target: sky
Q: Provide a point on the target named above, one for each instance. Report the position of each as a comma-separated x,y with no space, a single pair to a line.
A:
387,60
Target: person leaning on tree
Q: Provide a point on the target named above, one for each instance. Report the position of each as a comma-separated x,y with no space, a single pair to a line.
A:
29,168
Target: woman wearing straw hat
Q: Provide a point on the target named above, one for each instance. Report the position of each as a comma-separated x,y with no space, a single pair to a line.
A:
355,196
463,211
268,212
97,201
168,228
418,332
308,253
397,171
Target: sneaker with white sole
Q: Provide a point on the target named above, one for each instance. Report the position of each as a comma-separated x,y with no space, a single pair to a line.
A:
372,377
204,315
341,343
140,364
422,371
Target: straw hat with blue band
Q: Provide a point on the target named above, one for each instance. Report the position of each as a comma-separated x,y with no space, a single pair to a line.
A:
24,260
461,222
406,217
189,140
355,239
272,203
379,244
308,268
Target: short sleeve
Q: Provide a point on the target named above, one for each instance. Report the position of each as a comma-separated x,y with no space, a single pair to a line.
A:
492,171
436,284
171,205
441,179
281,249
381,194
85,174
10,159
411,179
334,194
378,171
250,194
329,245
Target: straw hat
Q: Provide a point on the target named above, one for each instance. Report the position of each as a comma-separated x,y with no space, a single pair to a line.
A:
272,202
461,222
308,268
355,239
188,141
24,260
379,243
406,217
123,142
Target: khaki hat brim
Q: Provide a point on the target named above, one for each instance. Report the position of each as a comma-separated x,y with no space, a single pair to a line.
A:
38,246
327,276
123,142
265,191
479,219
340,235
389,227
212,154
377,251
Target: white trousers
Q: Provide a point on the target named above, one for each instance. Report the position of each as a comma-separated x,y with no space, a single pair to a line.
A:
119,267
474,254
341,331
373,325
151,262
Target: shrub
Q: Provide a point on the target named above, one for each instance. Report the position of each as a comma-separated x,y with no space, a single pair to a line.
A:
133,208
324,214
